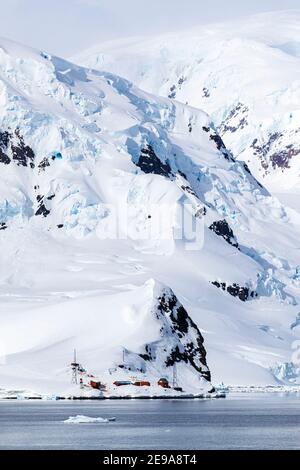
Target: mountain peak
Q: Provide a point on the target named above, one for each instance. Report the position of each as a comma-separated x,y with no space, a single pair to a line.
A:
256,58
105,186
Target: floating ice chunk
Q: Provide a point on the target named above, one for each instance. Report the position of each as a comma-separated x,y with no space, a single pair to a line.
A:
81,419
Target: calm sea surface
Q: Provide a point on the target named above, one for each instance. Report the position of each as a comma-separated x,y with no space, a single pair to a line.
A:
237,422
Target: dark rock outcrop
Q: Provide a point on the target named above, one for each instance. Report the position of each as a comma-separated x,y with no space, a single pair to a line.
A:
206,93
181,340
222,229
172,94
281,159
243,293
42,209
13,148
278,157
22,154
218,141
236,120
4,158
4,141
150,163
44,164
216,138
174,88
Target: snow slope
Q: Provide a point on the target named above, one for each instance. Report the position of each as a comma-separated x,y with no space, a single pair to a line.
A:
244,73
90,166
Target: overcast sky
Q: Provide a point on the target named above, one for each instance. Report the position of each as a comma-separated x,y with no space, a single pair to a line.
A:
65,27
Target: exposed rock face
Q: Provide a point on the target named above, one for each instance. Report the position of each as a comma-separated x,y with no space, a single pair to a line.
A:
219,143
44,164
276,152
175,88
236,119
4,140
13,148
266,285
243,293
181,340
222,229
150,163
172,94
42,209
206,93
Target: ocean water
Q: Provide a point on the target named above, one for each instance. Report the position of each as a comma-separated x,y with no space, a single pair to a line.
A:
250,421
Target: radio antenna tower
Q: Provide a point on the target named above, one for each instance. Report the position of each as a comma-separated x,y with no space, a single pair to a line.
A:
175,381
74,366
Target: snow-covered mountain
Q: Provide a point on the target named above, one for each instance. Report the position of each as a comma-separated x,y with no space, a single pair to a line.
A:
244,73
90,166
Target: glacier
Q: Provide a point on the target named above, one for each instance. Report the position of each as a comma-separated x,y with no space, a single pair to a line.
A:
244,73
90,165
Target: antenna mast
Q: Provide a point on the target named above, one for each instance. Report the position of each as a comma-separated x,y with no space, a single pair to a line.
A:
175,382
74,366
